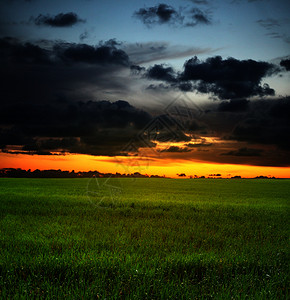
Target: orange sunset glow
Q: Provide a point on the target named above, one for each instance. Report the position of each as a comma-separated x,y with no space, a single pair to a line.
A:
128,165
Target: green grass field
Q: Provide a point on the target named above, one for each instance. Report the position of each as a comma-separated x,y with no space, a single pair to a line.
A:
144,239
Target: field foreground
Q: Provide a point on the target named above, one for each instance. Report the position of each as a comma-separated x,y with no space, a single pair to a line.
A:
144,238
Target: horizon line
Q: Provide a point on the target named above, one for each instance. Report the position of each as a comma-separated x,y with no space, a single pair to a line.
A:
93,173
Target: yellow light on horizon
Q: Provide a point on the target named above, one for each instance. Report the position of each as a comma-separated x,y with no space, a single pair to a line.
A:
144,165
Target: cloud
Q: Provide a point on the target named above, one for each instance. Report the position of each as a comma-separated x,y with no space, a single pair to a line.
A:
13,51
225,78
166,14
102,54
273,25
244,152
200,2
228,78
176,149
276,35
269,23
236,105
46,101
254,136
83,53
196,17
93,127
239,1
50,94
165,129
198,145
286,64
59,20
267,122
158,87
136,70
83,36
141,53
161,72
159,14
54,71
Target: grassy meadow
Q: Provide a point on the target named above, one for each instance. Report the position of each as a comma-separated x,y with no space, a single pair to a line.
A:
144,238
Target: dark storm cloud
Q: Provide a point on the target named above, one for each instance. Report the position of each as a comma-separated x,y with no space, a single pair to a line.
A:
166,14
59,20
286,64
198,145
236,105
164,129
93,127
244,152
56,71
51,144
13,136
14,51
267,122
104,54
175,149
46,89
136,70
228,79
40,93
158,87
257,135
161,72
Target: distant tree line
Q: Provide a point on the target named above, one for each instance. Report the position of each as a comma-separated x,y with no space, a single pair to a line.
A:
20,173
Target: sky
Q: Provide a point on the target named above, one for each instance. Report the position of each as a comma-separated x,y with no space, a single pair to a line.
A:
192,86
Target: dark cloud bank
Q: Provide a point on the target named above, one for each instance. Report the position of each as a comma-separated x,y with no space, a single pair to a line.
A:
45,106
58,70
286,64
225,78
41,92
93,127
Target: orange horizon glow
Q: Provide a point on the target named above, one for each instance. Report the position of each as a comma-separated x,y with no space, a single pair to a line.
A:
151,166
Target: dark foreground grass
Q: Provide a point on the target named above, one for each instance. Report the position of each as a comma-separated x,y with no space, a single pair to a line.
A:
144,239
